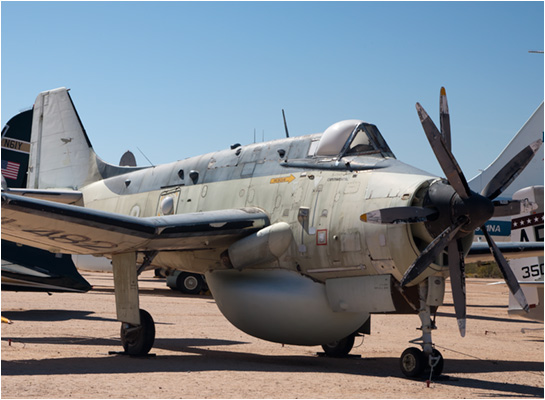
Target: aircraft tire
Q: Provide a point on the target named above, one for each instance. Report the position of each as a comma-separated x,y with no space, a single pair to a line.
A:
138,340
339,348
412,362
189,283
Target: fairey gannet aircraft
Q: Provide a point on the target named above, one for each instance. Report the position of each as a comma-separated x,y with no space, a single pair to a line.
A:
300,239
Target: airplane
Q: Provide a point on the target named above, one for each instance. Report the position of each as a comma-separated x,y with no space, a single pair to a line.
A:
300,239
25,268
529,271
500,228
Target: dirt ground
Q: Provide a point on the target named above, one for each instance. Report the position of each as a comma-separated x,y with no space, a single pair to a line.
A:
58,347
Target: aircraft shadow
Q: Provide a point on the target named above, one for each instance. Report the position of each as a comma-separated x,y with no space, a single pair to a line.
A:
483,318
196,355
52,315
153,292
60,315
491,306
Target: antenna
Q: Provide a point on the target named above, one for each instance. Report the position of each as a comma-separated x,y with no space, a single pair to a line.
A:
145,156
285,124
254,135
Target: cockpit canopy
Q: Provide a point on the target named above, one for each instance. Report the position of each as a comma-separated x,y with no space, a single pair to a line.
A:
351,138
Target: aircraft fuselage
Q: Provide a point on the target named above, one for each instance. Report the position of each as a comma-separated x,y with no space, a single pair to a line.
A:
331,241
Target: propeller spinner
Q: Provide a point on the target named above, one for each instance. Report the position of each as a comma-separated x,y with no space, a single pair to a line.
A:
452,211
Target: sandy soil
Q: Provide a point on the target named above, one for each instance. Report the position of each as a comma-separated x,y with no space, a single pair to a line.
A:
58,347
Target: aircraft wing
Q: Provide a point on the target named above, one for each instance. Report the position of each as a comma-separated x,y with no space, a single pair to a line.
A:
63,228
58,196
481,252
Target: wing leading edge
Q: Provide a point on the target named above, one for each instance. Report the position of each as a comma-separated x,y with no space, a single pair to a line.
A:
63,228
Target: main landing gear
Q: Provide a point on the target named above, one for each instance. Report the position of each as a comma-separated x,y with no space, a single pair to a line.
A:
428,361
339,348
137,326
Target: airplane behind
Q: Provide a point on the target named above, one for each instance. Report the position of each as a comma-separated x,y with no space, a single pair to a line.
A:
528,227
25,268
500,228
301,239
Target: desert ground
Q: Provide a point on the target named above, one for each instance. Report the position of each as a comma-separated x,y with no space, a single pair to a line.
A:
58,347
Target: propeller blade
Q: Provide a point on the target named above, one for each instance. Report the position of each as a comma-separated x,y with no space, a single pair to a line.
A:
431,252
507,208
506,271
398,215
446,159
456,266
445,118
511,170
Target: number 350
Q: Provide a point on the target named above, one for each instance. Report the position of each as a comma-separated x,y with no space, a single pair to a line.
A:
532,270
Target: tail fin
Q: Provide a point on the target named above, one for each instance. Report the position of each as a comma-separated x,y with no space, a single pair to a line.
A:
16,149
61,155
532,175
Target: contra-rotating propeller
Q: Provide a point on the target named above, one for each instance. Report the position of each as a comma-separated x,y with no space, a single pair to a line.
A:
451,211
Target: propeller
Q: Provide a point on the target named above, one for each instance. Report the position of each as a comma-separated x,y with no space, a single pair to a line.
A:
510,171
452,211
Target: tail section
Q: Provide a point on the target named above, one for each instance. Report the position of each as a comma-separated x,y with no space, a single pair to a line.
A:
531,131
61,153
16,149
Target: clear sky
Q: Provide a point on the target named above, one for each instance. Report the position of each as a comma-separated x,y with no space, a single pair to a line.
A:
179,79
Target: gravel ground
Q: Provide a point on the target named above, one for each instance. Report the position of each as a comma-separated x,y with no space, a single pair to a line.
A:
58,347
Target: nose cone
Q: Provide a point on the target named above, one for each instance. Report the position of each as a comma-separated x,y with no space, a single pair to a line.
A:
477,209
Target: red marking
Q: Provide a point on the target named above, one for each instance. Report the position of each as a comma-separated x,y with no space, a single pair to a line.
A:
321,237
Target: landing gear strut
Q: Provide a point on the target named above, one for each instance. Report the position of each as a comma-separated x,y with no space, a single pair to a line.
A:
415,362
137,326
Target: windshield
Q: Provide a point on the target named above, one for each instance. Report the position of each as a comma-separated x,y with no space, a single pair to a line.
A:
366,139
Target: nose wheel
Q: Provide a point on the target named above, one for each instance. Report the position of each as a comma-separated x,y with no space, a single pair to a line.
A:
429,361
414,363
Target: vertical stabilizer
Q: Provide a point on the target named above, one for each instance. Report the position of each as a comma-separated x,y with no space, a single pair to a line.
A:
532,175
61,154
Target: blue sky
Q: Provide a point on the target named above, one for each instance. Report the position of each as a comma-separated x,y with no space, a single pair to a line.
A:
178,79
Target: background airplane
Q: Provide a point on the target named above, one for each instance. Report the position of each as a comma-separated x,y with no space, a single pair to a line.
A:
500,228
25,268
528,227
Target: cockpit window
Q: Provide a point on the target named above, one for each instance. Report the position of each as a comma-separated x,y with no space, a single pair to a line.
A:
366,140
360,144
